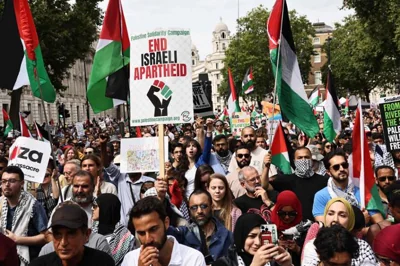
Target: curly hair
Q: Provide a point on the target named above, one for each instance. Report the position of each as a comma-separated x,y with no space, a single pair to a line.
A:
335,239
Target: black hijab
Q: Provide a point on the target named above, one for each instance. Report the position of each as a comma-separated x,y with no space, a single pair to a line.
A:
244,225
109,214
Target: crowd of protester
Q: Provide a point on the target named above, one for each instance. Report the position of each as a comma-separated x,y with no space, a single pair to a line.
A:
208,205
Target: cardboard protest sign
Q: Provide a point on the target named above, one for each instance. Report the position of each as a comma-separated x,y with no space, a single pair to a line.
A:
79,129
141,154
202,105
32,156
161,77
390,115
239,121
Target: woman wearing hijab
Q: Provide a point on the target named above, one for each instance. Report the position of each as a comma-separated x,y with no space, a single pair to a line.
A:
387,246
106,213
339,211
248,250
287,216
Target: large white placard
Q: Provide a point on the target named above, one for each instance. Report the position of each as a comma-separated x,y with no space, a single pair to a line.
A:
80,129
141,154
32,156
161,77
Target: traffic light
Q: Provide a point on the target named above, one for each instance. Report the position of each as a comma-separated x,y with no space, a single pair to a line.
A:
61,110
67,113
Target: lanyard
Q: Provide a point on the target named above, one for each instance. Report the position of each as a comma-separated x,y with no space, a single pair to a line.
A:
133,196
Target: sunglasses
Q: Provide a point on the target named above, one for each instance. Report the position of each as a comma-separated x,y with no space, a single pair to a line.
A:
336,167
290,214
88,152
195,207
240,156
328,146
383,178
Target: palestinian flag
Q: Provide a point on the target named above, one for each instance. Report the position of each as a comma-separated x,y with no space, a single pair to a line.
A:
279,151
233,102
7,123
346,108
21,61
332,123
39,135
362,171
24,128
224,114
289,85
109,79
247,83
314,97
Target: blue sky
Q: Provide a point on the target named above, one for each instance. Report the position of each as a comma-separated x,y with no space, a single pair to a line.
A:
201,16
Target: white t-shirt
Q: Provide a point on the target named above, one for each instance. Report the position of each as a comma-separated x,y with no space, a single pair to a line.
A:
257,161
181,255
190,175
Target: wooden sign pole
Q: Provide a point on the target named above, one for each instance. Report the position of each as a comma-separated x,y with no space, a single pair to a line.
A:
161,152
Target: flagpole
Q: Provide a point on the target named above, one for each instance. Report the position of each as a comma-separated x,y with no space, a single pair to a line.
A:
276,71
362,171
47,125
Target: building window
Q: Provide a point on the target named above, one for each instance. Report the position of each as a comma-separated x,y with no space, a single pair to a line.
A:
216,65
317,57
31,115
193,63
192,53
217,46
223,35
316,40
318,78
78,114
217,76
223,46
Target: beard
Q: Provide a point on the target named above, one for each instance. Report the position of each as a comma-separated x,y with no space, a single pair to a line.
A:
158,245
250,144
82,198
223,153
243,163
203,220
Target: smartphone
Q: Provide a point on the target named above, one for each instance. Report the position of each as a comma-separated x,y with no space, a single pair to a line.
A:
269,234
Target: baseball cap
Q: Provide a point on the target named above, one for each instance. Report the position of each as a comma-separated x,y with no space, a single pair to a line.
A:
71,216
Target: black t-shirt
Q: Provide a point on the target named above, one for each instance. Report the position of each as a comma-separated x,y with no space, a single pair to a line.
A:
91,257
304,188
244,202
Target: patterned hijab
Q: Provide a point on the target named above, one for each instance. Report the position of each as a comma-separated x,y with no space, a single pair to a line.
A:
352,219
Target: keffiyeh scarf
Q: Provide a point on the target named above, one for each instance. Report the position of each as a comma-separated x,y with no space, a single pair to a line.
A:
347,194
224,161
22,216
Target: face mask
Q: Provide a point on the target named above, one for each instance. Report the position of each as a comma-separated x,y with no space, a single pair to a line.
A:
304,168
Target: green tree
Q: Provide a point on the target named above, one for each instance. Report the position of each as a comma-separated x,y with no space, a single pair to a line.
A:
382,20
66,32
250,47
358,61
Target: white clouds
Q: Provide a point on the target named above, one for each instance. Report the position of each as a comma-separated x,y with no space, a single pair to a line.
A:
201,16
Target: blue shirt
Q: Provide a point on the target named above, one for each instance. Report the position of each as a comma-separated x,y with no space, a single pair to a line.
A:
322,197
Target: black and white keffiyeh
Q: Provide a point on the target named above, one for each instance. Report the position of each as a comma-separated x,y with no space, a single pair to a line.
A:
347,194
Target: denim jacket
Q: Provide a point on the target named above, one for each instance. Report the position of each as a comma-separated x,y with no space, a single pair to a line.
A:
219,243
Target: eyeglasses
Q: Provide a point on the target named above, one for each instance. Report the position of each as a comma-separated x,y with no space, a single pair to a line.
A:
254,179
10,181
195,207
383,178
336,167
284,214
88,152
240,156
328,146
384,261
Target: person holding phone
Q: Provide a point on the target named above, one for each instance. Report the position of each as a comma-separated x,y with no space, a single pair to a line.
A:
287,216
248,249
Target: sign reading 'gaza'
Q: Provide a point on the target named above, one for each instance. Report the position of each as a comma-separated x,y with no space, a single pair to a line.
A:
32,156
